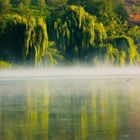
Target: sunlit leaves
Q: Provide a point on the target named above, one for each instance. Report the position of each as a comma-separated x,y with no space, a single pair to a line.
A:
23,38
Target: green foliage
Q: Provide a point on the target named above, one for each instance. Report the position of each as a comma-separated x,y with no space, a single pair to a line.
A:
127,49
4,5
57,3
119,51
23,9
102,9
75,32
111,54
121,11
52,55
80,36
98,34
24,2
108,14
74,2
41,4
22,39
134,33
4,65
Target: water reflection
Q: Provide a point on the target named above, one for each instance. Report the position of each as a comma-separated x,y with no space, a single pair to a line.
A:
99,109
24,111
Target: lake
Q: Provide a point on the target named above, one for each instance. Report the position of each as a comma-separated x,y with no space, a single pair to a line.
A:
87,108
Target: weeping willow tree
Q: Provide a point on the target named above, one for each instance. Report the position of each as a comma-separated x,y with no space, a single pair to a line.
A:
127,50
120,51
75,32
22,39
100,33
52,55
79,35
111,54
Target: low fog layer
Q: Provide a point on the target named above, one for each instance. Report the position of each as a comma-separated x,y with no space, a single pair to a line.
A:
71,72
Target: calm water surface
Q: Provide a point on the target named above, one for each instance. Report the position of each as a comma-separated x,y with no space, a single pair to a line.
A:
70,109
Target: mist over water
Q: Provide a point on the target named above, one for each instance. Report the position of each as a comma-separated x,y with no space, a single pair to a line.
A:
92,107
68,72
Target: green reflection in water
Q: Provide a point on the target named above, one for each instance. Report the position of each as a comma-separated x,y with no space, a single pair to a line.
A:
24,113
98,109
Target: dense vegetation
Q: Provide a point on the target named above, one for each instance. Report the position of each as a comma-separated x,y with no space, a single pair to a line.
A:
22,38
46,32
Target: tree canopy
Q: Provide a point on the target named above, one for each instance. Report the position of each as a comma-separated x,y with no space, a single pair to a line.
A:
44,32
22,38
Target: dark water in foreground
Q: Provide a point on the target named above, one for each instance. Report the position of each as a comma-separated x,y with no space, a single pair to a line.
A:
76,109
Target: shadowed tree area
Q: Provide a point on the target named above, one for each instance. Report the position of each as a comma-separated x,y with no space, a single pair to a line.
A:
22,38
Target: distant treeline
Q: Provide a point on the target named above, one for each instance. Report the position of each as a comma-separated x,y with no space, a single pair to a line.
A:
64,31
